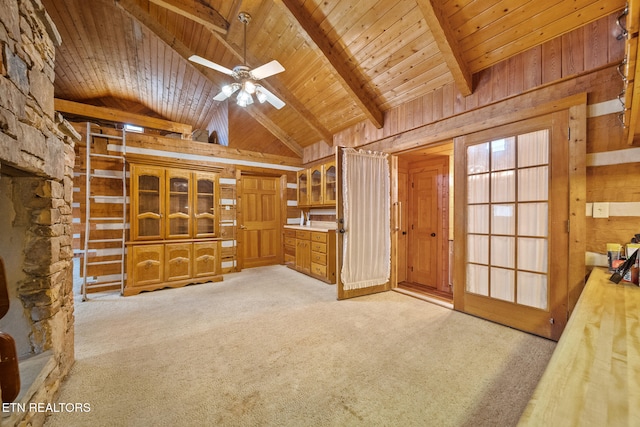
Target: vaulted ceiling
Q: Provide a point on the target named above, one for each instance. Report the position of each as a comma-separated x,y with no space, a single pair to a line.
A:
345,61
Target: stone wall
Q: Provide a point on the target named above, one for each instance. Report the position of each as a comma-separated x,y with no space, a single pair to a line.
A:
37,155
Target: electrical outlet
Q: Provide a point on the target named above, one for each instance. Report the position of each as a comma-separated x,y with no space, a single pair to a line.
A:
601,210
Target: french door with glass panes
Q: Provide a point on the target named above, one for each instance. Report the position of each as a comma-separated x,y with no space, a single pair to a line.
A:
511,241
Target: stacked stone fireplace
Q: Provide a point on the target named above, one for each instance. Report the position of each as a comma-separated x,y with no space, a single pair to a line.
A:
36,191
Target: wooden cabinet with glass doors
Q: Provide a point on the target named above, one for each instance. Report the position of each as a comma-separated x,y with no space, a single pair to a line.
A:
329,184
178,204
317,185
148,186
303,188
173,221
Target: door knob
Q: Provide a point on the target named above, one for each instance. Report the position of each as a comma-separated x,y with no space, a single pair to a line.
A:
433,234
242,227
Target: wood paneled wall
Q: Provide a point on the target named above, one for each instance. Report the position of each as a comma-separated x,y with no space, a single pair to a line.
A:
226,160
585,49
583,61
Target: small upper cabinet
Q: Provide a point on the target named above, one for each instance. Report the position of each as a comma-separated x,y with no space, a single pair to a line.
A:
303,188
317,185
329,189
315,177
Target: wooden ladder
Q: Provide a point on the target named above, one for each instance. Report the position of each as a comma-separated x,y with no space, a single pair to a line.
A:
105,222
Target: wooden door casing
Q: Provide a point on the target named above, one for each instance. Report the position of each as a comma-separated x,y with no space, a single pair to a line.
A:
402,224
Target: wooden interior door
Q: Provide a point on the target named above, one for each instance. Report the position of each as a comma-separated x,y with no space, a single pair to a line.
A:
341,231
426,228
512,212
260,227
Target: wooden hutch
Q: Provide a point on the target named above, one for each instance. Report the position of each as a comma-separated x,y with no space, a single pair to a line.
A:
174,232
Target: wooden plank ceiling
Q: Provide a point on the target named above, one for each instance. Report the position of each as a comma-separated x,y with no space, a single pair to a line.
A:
345,61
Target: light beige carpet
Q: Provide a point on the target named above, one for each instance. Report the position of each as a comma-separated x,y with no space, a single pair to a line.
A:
271,347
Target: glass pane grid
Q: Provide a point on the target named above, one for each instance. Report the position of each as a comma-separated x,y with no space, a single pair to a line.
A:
515,277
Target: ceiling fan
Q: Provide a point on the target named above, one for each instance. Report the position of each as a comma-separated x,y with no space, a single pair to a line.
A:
246,79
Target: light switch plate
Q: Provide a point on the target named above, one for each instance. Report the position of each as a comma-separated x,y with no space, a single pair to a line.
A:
601,210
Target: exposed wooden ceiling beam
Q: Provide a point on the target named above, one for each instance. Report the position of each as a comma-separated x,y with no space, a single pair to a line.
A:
346,77
196,11
276,131
447,44
133,9
117,116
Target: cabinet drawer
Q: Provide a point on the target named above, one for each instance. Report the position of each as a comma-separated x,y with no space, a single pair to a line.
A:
290,241
289,232
319,258
318,269
304,235
319,247
319,237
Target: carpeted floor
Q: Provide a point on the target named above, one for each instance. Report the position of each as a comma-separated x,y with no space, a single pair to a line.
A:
272,347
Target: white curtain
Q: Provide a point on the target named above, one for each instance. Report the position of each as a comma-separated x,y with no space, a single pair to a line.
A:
366,204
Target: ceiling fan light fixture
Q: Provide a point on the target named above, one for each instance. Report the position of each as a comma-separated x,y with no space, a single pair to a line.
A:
244,98
228,89
249,87
261,96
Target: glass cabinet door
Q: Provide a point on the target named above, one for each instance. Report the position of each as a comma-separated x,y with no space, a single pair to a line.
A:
329,195
148,191
303,199
178,217
316,186
204,205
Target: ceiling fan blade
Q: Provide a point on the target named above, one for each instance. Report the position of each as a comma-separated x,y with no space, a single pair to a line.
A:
266,70
221,96
199,60
271,98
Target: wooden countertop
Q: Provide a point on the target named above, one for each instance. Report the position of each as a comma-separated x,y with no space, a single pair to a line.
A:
593,377
312,227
